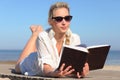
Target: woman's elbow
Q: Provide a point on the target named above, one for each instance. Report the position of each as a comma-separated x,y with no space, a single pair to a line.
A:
17,68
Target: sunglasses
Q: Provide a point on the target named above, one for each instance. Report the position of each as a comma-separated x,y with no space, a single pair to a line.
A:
59,18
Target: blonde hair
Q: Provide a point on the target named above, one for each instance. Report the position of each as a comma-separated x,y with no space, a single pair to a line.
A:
50,15
67,41
68,35
57,6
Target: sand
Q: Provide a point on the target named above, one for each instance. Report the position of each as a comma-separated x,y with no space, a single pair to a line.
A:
107,73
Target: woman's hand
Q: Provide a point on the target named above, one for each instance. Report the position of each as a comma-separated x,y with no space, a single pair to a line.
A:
63,72
85,71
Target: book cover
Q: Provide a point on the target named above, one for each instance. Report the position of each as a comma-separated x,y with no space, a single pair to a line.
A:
97,56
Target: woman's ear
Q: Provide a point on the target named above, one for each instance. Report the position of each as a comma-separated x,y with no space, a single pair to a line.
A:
50,21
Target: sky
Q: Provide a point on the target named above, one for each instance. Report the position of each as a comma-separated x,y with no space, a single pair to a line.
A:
96,21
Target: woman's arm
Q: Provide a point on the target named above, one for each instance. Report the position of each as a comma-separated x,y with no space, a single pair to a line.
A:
30,46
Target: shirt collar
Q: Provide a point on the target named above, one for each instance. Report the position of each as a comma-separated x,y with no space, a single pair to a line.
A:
51,33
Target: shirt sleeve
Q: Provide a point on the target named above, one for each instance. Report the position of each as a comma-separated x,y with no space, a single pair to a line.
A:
75,39
44,55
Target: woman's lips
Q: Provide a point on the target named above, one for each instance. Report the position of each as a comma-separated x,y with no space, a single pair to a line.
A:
63,28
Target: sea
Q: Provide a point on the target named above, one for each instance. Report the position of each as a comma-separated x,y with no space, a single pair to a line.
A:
113,57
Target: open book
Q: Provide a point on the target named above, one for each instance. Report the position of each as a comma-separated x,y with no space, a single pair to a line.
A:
77,56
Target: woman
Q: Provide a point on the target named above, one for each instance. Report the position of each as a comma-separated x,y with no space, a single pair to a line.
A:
41,55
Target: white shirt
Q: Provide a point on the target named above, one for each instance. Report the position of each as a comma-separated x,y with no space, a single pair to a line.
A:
46,53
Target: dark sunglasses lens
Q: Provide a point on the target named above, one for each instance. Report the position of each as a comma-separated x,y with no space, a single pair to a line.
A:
58,19
68,18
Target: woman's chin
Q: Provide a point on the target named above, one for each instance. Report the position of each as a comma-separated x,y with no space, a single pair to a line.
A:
64,30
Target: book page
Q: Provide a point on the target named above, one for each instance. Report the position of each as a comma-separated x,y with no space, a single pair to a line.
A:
97,46
77,48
